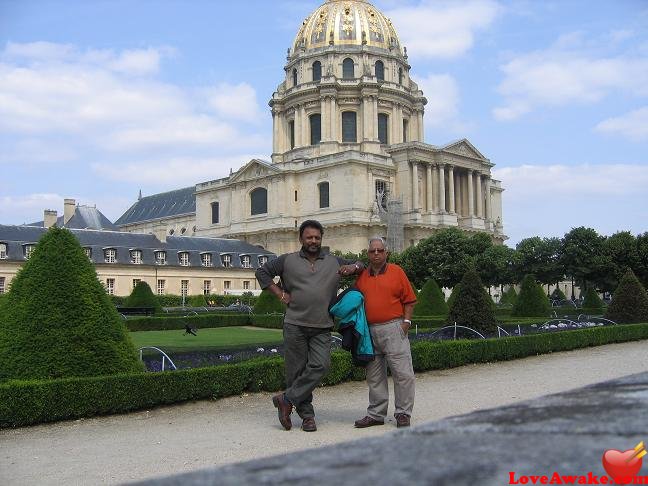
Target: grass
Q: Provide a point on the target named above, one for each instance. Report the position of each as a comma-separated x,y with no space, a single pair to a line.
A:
207,339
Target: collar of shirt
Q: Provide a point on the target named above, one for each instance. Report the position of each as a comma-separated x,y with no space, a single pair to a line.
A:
320,256
382,270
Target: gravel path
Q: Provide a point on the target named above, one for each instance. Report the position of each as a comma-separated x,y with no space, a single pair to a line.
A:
168,440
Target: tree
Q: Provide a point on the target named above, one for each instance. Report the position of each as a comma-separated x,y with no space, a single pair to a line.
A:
642,257
622,251
472,306
532,300
558,294
430,301
630,301
142,296
592,302
495,266
58,320
453,295
583,256
268,303
509,296
540,257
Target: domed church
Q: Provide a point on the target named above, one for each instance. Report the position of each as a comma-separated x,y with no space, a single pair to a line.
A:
348,150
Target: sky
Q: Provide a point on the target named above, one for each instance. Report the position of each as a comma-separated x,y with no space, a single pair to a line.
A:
100,99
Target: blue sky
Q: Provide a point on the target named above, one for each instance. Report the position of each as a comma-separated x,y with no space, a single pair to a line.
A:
99,99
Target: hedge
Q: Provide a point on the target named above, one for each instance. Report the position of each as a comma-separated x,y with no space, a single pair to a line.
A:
199,321
31,402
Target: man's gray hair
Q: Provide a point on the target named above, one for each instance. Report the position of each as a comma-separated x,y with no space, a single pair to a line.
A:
378,238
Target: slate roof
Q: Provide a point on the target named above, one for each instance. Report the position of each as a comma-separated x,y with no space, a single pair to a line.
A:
16,236
85,217
166,204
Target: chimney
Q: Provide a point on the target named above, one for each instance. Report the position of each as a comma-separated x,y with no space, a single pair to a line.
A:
69,206
49,219
160,231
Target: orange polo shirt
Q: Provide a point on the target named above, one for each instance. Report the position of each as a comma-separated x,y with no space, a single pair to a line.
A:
385,293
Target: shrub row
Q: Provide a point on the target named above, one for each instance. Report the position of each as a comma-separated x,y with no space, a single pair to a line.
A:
30,402
199,321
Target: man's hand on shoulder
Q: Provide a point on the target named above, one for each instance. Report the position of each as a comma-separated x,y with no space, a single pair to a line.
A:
349,269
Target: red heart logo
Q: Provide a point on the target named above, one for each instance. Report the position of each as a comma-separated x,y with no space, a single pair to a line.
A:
619,465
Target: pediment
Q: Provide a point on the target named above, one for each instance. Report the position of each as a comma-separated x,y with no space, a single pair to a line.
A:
254,169
465,148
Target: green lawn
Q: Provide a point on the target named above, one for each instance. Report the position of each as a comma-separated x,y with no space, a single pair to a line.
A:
207,339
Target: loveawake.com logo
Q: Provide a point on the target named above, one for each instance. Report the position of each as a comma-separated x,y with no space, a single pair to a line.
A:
622,468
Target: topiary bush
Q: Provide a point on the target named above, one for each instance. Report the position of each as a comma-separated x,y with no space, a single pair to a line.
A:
58,320
509,296
453,295
592,303
532,301
472,306
430,301
630,301
268,303
142,296
558,294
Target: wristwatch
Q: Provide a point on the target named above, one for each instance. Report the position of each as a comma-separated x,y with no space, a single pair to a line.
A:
408,321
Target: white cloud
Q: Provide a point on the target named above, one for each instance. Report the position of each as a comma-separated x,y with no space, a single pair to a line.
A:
236,102
567,181
567,73
632,125
443,29
550,200
28,208
442,109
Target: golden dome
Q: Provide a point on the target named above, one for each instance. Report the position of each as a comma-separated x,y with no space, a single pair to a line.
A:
347,22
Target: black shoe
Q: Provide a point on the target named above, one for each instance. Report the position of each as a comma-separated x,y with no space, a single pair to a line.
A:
402,420
367,422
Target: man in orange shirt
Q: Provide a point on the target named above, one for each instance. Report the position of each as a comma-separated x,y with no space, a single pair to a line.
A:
389,302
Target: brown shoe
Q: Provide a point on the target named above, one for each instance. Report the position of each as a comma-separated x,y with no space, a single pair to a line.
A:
284,409
308,425
367,422
402,420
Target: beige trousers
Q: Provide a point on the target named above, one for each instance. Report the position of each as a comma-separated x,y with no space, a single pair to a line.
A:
391,348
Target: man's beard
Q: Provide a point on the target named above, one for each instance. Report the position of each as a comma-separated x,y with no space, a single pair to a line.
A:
311,248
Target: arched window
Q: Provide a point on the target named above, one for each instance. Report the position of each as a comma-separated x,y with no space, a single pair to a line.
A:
317,71
400,75
323,194
383,123
349,127
259,201
315,128
215,212
380,71
348,69
294,77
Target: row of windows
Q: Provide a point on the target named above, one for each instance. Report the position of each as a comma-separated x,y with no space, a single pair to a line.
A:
349,129
162,286
28,249
259,202
348,71
110,256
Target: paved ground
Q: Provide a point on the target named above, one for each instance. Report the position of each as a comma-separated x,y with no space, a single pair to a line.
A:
186,437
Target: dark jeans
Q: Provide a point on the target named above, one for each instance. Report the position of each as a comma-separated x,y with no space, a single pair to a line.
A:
307,355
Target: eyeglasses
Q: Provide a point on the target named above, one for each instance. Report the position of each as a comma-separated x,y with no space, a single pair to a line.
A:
377,250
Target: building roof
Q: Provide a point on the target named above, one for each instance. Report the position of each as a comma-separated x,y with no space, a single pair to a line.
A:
85,217
157,206
15,237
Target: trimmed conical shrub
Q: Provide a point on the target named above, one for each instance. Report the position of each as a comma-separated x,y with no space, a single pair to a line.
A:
509,296
592,302
430,301
268,303
58,320
472,306
532,300
630,301
142,296
453,295
558,294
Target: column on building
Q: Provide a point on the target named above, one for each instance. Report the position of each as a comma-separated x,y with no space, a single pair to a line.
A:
429,204
459,193
421,131
366,106
298,126
489,206
397,124
442,202
374,119
325,127
480,197
333,114
415,186
305,127
471,197
275,132
451,189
